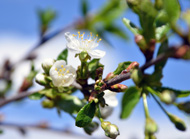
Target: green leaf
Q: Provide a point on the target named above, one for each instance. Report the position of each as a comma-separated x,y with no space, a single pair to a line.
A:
49,93
110,11
161,32
129,101
162,49
154,79
68,103
84,7
92,66
147,15
179,93
117,31
36,96
131,26
46,16
63,55
173,10
86,115
122,66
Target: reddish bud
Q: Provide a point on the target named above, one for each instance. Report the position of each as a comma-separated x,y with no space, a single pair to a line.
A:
118,88
110,76
133,65
181,51
26,84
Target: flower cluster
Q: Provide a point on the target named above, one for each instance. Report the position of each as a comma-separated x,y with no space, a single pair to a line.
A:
62,75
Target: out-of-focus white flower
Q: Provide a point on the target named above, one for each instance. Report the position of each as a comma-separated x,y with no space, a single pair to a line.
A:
62,74
80,44
3,85
111,101
47,64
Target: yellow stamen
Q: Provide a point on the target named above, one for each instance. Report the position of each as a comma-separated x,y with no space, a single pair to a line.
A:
64,69
97,35
62,66
60,70
67,71
63,74
56,69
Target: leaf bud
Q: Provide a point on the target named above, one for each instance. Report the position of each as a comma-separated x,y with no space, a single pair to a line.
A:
48,103
111,130
167,96
40,79
137,76
141,42
179,124
118,88
184,106
47,64
110,76
150,126
89,129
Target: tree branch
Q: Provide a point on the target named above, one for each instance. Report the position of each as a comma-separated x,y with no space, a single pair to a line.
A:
115,80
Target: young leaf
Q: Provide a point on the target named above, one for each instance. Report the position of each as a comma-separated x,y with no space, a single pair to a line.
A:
173,10
116,31
129,101
36,96
84,7
68,103
147,15
162,49
92,66
86,115
131,26
122,66
63,55
161,32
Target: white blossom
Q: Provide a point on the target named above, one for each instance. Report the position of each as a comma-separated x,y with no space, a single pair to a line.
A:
47,64
111,101
62,74
80,44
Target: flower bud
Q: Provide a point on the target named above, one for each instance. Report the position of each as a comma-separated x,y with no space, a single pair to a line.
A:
137,76
40,79
179,124
118,88
141,42
168,97
184,106
89,129
48,103
150,126
47,64
99,85
111,130
109,76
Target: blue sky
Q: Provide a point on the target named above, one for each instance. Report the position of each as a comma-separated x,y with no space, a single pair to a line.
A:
19,23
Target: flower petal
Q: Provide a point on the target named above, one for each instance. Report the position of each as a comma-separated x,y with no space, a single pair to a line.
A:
73,43
96,53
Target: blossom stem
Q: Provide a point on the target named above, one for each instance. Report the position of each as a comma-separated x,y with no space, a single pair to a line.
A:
99,113
145,105
160,105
